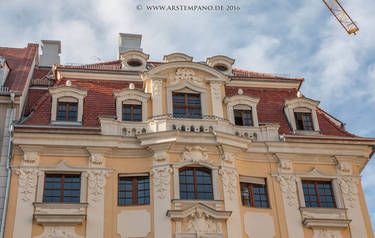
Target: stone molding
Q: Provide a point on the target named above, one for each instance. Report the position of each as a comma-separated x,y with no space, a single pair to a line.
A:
60,213
176,57
334,218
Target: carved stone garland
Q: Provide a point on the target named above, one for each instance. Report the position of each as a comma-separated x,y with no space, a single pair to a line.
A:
289,188
27,181
96,184
326,233
185,74
229,181
59,232
200,223
348,187
161,180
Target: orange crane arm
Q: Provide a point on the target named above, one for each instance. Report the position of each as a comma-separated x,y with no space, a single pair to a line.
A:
338,11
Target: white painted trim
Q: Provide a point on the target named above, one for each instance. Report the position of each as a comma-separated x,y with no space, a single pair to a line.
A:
67,91
292,104
242,100
131,94
190,85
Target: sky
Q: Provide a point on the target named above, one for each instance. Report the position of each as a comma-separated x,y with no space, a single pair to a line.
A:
295,37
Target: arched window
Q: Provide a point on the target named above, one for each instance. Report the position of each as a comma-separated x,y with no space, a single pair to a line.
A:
195,183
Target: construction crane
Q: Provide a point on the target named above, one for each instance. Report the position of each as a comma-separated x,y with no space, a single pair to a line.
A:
338,11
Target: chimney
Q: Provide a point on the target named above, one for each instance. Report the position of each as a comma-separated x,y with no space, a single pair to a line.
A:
129,42
4,71
51,50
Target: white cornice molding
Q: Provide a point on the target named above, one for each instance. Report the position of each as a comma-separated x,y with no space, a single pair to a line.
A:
265,83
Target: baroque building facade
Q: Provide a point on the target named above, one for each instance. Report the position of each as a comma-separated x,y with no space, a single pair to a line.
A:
133,148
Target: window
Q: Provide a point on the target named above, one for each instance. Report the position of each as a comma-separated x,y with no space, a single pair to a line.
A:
303,121
186,105
318,194
133,190
195,183
62,188
243,117
254,195
67,111
131,112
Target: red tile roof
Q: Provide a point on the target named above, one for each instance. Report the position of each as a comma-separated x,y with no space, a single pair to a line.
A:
98,102
20,61
271,109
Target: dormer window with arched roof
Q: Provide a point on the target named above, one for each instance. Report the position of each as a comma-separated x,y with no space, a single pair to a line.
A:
242,110
131,105
67,104
301,114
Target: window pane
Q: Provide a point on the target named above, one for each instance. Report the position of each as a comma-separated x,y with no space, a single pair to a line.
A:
318,194
186,105
195,183
62,188
133,191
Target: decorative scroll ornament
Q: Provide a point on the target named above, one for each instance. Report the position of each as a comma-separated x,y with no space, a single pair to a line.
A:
27,180
161,180
349,189
194,154
59,232
229,181
289,188
200,223
96,184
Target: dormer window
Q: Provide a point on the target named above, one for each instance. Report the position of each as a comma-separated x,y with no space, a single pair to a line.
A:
301,114
186,105
67,104
303,121
131,112
243,116
131,105
67,111
242,110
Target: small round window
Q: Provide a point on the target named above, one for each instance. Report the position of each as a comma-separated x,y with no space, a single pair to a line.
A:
134,63
221,67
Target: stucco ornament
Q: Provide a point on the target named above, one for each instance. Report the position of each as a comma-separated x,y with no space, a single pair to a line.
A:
97,159
194,154
348,187
161,180
228,158
229,181
59,232
323,233
185,74
289,188
96,184
200,223
31,158
27,180
156,87
216,91
344,167
160,156
285,165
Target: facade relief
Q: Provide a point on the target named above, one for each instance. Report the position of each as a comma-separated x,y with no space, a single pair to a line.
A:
59,232
27,181
185,74
194,154
348,187
229,178
161,180
289,188
96,184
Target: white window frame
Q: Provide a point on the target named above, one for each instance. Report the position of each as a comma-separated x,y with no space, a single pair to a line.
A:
297,105
187,87
131,94
214,173
61,168
242,100
67,94
316,175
